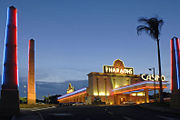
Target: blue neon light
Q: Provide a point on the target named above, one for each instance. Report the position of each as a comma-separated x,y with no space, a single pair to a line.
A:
127,93
5,42
177,65
134,91
73,93
137,84
138,90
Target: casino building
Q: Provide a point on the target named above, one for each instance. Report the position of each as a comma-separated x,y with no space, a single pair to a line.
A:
116,85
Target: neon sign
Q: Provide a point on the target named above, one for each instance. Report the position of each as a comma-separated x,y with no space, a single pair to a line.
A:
118,67
151,77
112,69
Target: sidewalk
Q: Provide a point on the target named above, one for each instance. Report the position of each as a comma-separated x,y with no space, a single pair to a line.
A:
37,108
27,115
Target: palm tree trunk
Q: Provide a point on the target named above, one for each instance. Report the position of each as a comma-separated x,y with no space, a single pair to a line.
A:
160,80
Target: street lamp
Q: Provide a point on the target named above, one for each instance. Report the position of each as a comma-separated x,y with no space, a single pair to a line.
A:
153,69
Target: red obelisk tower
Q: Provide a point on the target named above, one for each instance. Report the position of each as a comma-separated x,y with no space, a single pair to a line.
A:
175,73
9,92
31,94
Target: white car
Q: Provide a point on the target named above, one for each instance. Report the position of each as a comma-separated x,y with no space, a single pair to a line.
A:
77,103
129,102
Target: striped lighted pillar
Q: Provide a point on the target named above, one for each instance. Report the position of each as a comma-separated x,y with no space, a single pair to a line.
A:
9,92
175,73
175,65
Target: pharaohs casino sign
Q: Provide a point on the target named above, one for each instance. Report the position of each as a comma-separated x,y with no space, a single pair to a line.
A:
118,67
151,77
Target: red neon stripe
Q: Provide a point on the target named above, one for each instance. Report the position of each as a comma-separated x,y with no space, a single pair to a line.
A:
137,89
14,22
72,96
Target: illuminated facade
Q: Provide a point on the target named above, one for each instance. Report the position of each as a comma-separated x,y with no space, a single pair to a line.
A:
116,85
175,73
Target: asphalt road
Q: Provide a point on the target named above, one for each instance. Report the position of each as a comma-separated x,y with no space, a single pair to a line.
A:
95,113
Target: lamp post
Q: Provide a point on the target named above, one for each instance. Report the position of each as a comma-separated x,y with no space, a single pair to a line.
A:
153,69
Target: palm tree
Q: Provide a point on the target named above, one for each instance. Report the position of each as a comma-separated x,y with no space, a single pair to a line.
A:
152,26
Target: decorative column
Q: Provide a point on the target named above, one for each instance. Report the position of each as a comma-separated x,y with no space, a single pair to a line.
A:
146,96
9,92
175,73
31,94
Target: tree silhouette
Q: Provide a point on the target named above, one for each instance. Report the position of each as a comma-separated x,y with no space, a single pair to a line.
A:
152,27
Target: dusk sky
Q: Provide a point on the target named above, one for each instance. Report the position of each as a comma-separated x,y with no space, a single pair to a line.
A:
76,37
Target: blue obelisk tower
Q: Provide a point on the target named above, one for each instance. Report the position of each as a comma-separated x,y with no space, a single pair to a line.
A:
9,92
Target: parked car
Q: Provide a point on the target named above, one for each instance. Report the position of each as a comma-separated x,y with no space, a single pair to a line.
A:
129,102
77,103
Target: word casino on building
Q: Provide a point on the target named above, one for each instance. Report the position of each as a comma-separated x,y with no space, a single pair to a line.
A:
116,85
